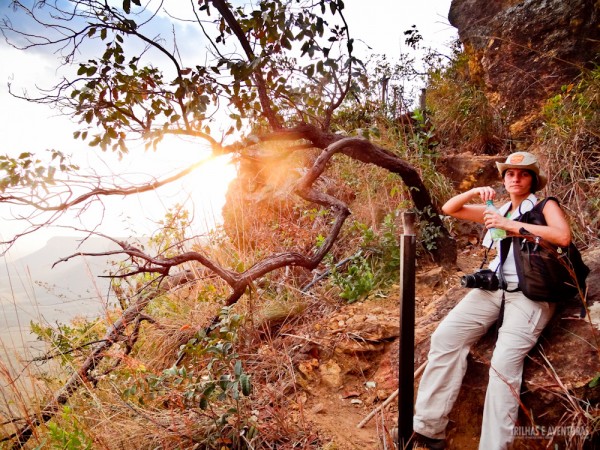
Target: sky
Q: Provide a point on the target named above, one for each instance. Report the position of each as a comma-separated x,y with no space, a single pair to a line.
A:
29,127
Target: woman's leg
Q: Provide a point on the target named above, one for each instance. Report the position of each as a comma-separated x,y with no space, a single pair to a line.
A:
523,322
447,359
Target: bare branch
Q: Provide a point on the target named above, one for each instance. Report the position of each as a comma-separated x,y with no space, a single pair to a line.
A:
224,8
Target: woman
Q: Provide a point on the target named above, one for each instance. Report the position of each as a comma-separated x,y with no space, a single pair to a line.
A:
523,319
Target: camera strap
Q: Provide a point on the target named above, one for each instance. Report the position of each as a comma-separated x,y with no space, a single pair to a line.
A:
485,255
505,245
504,249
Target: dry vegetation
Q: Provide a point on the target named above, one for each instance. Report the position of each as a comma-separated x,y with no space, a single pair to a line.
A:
196,375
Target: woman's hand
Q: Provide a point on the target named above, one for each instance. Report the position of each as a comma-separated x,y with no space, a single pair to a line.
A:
485,193
457,206
492,219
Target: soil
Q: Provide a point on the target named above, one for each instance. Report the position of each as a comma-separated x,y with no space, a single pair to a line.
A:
339,395
337,410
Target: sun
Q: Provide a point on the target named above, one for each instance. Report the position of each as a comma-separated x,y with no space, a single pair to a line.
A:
205,187
211,180
202,191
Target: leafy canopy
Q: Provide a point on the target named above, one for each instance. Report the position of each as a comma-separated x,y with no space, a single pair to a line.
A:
265,63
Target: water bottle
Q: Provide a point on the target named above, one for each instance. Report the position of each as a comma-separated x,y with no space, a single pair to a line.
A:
497,234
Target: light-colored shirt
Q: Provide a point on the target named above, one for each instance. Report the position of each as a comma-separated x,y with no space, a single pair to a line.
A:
509,268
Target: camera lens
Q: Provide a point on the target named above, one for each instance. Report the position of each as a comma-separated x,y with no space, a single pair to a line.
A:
469,281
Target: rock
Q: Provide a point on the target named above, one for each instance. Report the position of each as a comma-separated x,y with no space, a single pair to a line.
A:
319,408
331,374
350,394
523,51
386,375
467,171
431,278
376,330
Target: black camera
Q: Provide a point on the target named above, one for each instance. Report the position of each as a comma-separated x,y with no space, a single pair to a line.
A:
484,279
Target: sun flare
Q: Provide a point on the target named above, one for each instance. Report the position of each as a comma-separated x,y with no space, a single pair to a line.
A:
206,186
202,191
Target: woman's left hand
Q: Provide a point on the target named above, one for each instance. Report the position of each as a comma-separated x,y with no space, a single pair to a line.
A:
495,220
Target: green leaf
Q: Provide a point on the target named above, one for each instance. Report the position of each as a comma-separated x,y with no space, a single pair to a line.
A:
203,404
245,384
224,382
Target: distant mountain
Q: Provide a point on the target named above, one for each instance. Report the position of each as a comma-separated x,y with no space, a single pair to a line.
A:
31,289
74,275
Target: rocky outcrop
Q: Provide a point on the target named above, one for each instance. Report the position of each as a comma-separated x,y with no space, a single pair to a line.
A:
352,358
523,51
467,171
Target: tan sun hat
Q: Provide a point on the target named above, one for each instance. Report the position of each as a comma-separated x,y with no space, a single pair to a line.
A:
524,160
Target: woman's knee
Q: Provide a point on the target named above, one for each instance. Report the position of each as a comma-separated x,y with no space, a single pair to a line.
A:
507,362
447,337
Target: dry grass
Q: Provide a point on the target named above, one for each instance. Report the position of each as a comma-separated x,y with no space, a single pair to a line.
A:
262,218
580,424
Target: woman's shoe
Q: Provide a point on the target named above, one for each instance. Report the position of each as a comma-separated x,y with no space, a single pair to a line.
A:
423,442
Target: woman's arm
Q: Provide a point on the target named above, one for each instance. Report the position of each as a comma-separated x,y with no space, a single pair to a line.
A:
557,230
457,205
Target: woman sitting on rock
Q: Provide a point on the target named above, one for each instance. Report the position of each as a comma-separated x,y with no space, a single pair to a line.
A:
523,319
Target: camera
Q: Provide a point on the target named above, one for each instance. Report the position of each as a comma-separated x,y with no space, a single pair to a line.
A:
484,279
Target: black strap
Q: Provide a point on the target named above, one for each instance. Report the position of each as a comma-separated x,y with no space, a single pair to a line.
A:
504,249
505,245
503,254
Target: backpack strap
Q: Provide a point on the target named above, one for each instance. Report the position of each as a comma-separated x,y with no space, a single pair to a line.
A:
505,245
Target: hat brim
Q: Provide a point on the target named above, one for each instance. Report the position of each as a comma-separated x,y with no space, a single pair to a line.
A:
541,178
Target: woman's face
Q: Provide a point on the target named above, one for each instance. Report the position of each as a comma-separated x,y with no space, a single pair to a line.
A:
518,181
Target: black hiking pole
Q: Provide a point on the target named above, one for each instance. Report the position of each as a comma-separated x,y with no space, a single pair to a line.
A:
406,358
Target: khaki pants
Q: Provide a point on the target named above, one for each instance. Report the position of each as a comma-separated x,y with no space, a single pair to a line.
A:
523,322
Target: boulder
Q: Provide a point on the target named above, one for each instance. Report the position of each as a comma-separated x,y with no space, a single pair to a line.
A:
523,51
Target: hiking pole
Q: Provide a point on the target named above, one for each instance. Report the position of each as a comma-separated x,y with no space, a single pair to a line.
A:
407,331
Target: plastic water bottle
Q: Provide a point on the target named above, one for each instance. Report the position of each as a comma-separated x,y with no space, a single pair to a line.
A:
497,234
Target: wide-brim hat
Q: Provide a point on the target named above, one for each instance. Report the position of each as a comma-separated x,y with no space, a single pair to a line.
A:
527,161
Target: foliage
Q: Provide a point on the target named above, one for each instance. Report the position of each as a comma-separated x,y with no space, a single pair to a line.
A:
66,434
68,340
173,232
29,171
423,138
569,133
427,231
120,90
356,281
375,265
460,110
212,381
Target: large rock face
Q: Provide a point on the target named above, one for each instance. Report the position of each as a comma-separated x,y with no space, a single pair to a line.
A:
523,51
